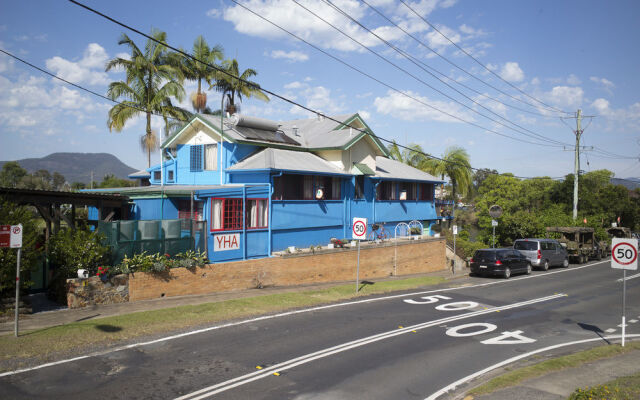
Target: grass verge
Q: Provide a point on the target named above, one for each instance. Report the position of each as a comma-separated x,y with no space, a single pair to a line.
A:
624,388
43,344
513,378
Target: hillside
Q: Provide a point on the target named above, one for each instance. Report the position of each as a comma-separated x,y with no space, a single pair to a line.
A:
77,167
629,183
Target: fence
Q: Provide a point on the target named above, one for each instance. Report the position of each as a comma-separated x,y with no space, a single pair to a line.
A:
169,236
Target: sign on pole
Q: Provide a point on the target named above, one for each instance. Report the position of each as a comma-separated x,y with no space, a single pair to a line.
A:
624,253
624,256
359,232
455,229
359,229
494,222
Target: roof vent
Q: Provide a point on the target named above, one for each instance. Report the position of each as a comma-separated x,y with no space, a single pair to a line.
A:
320,116
295,130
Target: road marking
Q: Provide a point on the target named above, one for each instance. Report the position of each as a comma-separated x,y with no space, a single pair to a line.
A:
630,277
286,365
455,384
285,314
611,330
620,325
633,321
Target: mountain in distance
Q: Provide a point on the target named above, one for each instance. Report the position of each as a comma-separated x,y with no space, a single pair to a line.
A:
77,167
629,183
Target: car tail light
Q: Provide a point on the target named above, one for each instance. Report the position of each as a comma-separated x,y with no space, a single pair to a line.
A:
471,260
539,254
498,262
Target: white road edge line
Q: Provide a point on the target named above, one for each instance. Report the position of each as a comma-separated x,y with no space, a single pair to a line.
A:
453,385
284,314
283,366
630,277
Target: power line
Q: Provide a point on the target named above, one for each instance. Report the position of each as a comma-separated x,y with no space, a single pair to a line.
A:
420,42
275,94
375,80
479,63
412,59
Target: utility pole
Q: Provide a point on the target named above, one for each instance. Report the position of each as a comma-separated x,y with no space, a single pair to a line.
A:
577,164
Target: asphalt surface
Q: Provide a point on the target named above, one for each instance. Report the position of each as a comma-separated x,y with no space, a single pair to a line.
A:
378,348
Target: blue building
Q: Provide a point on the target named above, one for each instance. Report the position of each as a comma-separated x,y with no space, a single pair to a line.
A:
263,186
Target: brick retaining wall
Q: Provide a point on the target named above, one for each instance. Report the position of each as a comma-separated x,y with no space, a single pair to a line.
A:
376,261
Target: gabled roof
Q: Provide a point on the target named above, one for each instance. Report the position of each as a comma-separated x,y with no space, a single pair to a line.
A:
310,134
286,160
142,174
387,168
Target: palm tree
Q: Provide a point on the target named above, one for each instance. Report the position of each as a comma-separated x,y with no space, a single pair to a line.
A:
412,155
151,80
197,71
454,164
233,84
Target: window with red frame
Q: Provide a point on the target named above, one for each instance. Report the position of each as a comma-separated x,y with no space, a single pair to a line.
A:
226,214
257,213
426,192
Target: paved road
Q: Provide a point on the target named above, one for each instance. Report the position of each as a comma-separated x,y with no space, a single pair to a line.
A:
406,346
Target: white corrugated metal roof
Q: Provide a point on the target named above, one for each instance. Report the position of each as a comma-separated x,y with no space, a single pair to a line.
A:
288,160
391,169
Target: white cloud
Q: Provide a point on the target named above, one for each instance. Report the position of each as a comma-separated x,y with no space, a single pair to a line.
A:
565,96
512,72
214,13
408,109
603,107
364,114
293,85
90,69
317,98
438,41
303,24
291,56
606,84
573,80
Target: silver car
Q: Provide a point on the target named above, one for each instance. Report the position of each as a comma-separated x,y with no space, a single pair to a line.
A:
543,253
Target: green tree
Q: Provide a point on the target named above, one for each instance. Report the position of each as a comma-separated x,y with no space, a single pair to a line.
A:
13,214
111,181
456,166
413,155
198,71
235,85
58,181
151,79
11,174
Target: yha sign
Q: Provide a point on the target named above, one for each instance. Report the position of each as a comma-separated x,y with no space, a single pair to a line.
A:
229,241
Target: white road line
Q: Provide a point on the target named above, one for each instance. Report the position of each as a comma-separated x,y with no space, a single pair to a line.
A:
630,277
284,314
610,330
633,321
455,384
286,365
620,325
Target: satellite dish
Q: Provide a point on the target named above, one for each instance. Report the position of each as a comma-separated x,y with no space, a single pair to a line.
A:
495,211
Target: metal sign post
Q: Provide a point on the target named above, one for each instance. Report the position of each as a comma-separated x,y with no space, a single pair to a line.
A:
495,211
624,256
359,232
11,236
455,233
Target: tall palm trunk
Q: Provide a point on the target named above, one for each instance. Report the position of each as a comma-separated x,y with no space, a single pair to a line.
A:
148,141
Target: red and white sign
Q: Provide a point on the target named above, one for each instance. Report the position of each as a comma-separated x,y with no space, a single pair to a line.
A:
229,241
359,228
11,236
624,253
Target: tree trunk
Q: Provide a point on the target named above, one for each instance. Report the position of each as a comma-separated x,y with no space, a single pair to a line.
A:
148,139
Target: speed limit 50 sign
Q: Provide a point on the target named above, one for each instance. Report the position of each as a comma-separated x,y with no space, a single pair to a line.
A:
359,229
624,253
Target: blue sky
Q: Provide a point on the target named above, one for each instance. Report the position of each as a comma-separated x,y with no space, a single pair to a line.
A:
569,55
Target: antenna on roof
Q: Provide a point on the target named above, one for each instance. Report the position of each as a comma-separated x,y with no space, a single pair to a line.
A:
295,130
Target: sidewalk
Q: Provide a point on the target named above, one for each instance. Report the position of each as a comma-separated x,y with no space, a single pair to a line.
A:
62,316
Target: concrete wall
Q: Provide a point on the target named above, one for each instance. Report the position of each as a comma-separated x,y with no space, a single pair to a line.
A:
376,261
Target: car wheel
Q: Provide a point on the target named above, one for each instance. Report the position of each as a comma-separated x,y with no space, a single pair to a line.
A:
545,267
565,263
507,273
529,269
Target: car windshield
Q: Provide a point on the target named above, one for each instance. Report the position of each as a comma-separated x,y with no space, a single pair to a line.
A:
485,255
525,245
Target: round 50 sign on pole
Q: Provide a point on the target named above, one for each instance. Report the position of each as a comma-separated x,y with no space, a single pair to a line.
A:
359,232
624,256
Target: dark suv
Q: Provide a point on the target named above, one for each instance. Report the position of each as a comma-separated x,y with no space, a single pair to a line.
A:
501,262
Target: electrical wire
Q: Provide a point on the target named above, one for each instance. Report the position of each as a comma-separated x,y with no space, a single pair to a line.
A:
481,64
420,42
412,59
287,100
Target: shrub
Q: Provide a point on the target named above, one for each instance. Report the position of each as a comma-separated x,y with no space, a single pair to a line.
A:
71,250
158,263
32,247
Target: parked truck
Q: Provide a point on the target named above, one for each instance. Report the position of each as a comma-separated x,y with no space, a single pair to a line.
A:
580,242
